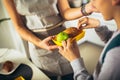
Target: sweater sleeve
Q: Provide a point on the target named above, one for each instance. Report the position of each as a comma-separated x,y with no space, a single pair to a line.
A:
80,72
109,70
103,32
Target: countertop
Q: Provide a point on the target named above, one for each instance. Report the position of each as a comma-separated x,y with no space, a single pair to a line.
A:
17,57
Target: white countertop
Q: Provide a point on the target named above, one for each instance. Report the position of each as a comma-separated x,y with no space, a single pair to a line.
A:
17,57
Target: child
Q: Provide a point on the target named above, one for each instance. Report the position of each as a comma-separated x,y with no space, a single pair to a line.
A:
109,62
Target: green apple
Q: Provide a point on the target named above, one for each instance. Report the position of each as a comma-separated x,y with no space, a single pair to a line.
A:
62,36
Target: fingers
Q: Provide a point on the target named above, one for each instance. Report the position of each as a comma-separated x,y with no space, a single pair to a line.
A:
64,44
70,41
60,48
82,22
52,47
49,38
86,23
49,44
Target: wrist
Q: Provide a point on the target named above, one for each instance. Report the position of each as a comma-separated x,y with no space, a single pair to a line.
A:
97,23
37,43
101,22
72,58
88,9
78,64
85,10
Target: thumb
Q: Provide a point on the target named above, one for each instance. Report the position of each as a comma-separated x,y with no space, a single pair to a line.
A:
49,38
82,22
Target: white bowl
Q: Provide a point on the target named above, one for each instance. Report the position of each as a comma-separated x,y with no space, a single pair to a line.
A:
7,73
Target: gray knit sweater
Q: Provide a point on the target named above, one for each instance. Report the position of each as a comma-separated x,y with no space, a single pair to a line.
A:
109,62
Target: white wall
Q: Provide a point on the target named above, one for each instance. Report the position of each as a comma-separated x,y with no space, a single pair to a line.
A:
9,38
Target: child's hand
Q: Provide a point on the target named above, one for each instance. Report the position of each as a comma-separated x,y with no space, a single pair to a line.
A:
90,8
69,50
88,23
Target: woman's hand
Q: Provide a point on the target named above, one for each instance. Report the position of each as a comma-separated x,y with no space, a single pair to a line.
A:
90,8
69,50
47,44
88,23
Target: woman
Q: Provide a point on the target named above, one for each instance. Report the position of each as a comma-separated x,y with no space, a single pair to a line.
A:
109,62
37,21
